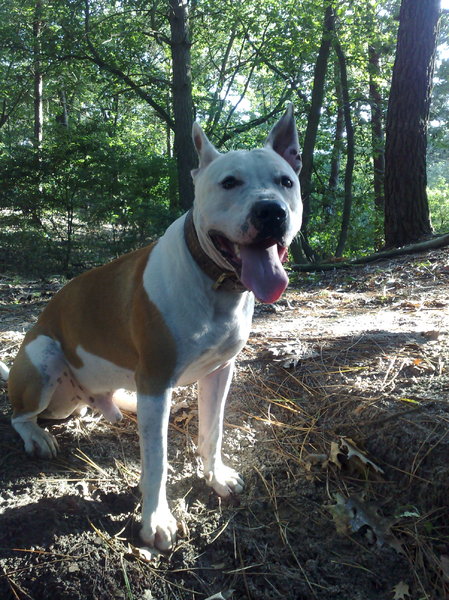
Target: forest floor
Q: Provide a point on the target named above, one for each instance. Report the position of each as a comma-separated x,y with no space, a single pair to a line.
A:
338,420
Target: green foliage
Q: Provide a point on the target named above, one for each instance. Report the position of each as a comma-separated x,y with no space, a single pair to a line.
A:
104,180
83,180
439,205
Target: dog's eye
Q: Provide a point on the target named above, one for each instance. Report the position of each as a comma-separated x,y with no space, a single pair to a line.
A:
230,182
286,181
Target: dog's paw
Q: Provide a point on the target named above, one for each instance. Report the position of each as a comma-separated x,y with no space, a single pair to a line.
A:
159,531
37,441
224,480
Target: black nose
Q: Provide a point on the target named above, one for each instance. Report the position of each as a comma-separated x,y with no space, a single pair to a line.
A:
268,217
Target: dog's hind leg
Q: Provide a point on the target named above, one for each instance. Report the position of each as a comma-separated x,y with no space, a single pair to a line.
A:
33,379
212,393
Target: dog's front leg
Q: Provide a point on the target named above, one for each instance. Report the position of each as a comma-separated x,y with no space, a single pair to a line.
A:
158,524
212,393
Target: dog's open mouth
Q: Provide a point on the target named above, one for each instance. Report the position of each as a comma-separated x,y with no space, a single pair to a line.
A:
259,265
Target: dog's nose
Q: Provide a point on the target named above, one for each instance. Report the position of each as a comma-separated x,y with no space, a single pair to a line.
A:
268,217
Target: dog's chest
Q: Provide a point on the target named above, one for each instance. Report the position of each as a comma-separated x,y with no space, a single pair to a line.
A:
212,343
208,327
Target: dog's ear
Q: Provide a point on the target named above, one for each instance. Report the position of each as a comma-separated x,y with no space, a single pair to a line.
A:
283,139
206,151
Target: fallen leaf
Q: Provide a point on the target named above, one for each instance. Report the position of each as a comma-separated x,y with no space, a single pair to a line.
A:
316,459
221,595
352,514
73,568
354,452
144,554
444,560
346,449
340,515
401,590
289,355
407,305
334,453
410,514
433,334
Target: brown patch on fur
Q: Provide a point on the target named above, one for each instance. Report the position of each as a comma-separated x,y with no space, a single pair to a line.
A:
24,385
107,312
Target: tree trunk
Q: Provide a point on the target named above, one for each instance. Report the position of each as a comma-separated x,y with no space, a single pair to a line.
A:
349,150
32,206
38,79
172,174
182,100
300,248
377,137
329,201
63,117
406,207
377,143
312,130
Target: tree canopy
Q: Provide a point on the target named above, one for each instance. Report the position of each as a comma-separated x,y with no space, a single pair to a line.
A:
97,100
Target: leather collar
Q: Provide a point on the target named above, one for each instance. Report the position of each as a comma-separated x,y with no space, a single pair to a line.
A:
223,280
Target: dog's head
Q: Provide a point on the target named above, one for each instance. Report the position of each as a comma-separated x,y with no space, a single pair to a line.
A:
248,206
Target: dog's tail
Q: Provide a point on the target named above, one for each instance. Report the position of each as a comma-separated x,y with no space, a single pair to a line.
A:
4,371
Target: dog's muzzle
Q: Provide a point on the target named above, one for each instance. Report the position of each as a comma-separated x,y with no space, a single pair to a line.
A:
259,261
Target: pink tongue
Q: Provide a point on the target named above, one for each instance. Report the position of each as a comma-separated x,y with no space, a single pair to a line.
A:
263,273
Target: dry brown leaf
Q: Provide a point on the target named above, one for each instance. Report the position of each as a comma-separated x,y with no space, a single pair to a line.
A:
313,463
353,451
333,454
431,335
347,448
316,459
144,554
352,514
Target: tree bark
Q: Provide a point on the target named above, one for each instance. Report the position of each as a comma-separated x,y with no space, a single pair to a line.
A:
182,99
406,206
63,117
334,176
313,120
377,142
349,169
38,78
377,137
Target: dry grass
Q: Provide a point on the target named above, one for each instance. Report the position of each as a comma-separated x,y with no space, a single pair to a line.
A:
344,454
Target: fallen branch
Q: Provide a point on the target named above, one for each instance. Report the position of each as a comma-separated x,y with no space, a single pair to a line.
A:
435,242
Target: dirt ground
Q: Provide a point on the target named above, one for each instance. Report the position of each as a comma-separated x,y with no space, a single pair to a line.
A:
338,421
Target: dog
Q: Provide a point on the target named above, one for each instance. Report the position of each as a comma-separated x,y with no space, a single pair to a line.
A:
170,314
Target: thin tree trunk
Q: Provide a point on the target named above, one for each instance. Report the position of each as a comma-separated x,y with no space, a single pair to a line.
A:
38,79
172,175
33,208
63,118
334,176
407,216
182,100
311,133
377,137
349,150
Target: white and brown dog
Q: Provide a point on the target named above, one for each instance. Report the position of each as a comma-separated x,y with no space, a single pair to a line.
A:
172,313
